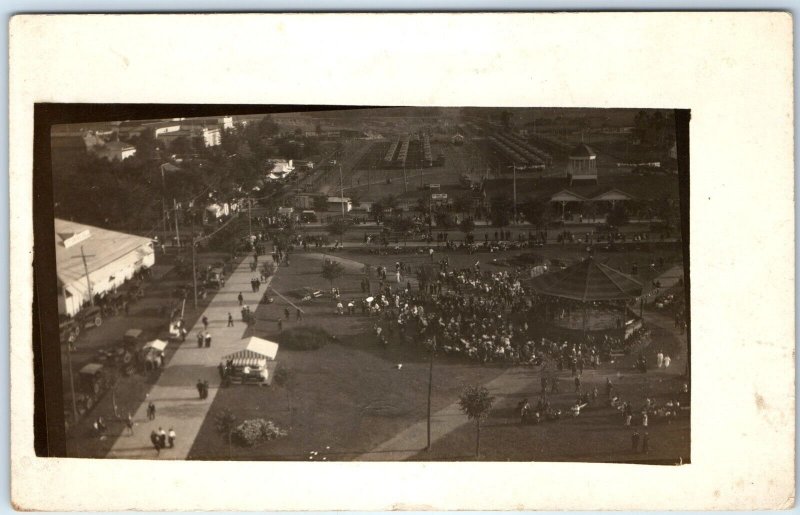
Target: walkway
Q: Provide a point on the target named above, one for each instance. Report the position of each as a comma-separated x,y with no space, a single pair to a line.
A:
175,394
408,443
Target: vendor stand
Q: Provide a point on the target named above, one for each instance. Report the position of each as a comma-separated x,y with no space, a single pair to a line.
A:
254,364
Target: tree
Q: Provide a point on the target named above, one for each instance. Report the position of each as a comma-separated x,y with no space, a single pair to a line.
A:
225,422
463,204
180,145
332,271
377,210
476,403
320,203
536,213
500,211
467,226
389,202
268,127
403,227
618,216
444,219
337,228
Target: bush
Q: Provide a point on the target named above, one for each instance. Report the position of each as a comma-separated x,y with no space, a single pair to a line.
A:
304,338
257,430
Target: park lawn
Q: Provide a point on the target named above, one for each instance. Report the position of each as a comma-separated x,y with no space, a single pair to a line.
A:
597,435
348,397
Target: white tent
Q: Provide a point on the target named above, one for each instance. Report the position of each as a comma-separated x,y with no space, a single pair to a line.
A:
158,345
257,358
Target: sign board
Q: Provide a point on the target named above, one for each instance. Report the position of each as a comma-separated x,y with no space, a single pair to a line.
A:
439,196
434,186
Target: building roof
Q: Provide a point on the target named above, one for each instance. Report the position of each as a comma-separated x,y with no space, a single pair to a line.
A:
256,348
642,187
582,150
117,146
587,281
100,246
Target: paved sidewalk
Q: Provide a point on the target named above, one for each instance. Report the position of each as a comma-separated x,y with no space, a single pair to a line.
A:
175,396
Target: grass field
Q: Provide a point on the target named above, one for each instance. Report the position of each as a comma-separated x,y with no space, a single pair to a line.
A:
348,397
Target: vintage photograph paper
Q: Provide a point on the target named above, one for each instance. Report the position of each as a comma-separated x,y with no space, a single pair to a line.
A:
495,258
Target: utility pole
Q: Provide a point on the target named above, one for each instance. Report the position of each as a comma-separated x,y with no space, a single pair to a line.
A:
514,167
405,182
341,190
163,201
250,217
177,231
72,385
194,260
88,281
430,391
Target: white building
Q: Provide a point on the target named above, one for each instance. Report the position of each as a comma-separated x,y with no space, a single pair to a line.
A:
582,164
166,129
114,150
226,122
279,169
335,204
211,136
111,258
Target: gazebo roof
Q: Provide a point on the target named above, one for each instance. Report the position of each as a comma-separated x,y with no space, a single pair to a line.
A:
587,281
582,150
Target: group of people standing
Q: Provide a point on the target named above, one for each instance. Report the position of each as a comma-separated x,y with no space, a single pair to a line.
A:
162,439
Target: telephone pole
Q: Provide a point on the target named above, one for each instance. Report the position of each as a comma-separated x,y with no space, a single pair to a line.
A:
88,281
72,385
430,391
250,217
194,259
177,231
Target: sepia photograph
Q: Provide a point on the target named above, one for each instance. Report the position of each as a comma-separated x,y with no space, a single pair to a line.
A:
402,261
383,284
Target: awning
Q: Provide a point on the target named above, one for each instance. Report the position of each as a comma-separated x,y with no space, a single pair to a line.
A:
158,345
256,348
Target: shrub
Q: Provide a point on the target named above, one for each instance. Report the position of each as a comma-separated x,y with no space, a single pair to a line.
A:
304,338
257,430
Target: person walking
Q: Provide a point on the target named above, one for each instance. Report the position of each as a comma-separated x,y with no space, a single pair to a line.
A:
208,339
628,411
667,361
280,325
299,315
129,424
205,322
154,440
635,441
230,319
171,438
162,438
286,313
659,359
205,389
241,299
199,339
151,411
199,387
